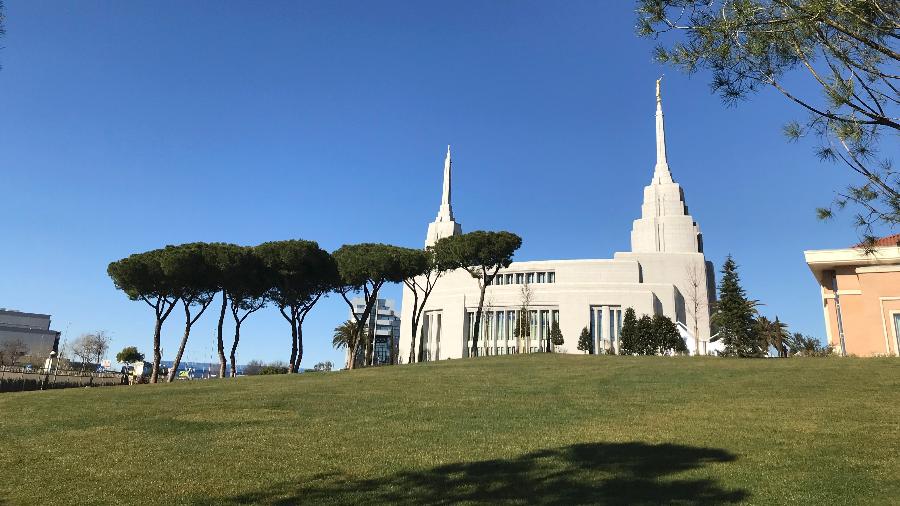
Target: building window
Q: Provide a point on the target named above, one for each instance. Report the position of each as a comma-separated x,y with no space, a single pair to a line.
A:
542,277
545,329
897,332
615,325
519,278
551,277
533,325
529,278
509,279
498,279
437,339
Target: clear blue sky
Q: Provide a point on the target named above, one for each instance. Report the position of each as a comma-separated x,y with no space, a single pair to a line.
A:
126,126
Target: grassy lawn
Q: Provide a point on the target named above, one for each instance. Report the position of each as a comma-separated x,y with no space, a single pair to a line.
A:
548,429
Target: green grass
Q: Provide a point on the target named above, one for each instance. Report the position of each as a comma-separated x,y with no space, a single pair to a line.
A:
518,429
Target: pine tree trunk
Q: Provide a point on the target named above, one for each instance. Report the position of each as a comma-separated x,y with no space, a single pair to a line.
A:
220,342
293,361
187,332
412,341
478,320
237,338
157,356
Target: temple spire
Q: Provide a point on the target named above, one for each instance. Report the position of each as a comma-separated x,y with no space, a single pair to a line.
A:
661,172
444,225
446,211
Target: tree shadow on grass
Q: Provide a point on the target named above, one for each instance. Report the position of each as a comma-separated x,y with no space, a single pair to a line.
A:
596,473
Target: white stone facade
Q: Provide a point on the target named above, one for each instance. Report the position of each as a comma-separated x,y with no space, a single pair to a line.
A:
664,273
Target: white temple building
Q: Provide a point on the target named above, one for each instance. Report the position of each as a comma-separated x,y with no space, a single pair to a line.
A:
664,273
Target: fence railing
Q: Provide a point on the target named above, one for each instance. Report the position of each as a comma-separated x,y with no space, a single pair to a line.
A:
57,371
18,379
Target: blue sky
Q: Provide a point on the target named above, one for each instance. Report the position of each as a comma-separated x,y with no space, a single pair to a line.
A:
126,126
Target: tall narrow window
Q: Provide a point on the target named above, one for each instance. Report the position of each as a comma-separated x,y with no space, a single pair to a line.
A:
519,278
897,332
551,277
533,326
601,347
545,329
612,326
509,279
615,326
592,319
529,278
437,338
542,277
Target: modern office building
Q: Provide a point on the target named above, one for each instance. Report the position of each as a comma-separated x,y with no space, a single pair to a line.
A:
32,330
386,322
860,293
664,273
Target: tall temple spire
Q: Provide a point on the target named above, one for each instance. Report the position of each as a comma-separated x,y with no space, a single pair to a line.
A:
661,172
665,226
444,225
446,211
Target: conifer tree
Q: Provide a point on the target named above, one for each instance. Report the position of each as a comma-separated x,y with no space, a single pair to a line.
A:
585,343
628,334
556,337
644,339
665,336
734,318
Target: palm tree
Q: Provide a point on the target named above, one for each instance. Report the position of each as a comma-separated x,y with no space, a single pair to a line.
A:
773,334
345,337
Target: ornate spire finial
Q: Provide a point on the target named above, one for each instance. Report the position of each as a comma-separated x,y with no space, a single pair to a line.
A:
658,97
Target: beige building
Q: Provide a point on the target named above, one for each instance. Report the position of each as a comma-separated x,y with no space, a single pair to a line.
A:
664,273
860,297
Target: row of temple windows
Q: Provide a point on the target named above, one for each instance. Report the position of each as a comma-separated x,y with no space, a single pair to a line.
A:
510,350
501,324
498,330
498,337
518,278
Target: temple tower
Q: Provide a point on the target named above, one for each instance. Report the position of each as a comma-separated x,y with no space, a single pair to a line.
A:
665,225
444,225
